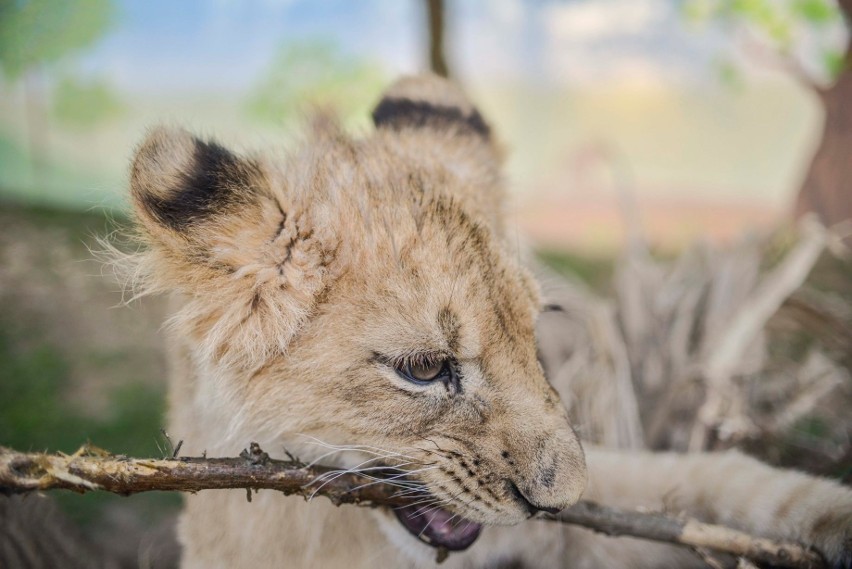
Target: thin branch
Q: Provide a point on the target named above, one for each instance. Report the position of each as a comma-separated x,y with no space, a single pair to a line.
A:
93,469
688,532
780,60
763,302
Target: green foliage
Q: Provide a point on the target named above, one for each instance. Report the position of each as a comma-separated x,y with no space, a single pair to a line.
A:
815,11
42,31
35,414
833,62
316,72
85,104
765,15
774,20
779,24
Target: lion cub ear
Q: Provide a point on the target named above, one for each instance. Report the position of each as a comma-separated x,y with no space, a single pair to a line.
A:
430,121
179,182
220,230
430,104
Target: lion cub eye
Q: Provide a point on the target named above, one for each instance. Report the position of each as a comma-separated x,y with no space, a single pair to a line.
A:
424,372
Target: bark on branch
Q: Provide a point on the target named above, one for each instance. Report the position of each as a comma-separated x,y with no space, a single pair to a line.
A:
687,532
91,469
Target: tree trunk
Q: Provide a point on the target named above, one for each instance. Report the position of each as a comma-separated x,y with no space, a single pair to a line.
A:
827,187
437,60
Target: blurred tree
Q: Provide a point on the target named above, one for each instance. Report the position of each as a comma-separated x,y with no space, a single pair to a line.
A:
34,33
435,15
776,26
316,72
84,103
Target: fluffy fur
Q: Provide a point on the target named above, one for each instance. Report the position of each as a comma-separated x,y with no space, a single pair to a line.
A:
301,282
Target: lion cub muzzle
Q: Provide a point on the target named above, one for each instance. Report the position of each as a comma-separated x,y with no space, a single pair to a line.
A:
544,470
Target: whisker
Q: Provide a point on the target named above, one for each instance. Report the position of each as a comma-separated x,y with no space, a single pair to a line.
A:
427,524
427,508
387,480
413,490
377,457
334,474
395,477
359,448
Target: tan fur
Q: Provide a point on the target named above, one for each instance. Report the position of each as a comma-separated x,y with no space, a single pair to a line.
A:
299,281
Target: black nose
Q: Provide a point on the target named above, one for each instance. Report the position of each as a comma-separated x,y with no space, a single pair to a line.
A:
530,506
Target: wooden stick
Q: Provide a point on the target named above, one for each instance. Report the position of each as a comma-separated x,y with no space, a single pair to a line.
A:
91,469
687,532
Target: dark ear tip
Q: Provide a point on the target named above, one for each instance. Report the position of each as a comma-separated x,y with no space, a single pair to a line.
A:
179,181
430,102
430,89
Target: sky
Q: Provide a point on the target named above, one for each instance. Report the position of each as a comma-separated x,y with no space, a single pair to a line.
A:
225,45
631,76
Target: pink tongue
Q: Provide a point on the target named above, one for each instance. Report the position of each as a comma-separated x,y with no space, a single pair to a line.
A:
439,528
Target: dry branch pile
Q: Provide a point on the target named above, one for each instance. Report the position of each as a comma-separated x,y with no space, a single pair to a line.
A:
686,354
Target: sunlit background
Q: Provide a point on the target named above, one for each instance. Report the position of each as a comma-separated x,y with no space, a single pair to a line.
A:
690,108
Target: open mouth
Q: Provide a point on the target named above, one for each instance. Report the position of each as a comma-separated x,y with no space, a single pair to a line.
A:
438,527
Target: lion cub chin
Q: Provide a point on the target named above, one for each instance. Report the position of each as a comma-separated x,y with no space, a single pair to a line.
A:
359,302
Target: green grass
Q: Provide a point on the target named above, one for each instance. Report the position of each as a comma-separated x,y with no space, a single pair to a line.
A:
35,415
594,271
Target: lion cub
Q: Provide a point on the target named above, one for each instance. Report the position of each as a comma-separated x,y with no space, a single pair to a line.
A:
359,303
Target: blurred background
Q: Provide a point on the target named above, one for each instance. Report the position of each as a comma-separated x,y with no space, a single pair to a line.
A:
688,120
707,111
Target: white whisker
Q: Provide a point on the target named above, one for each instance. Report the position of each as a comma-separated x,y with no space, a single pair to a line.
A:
359,448
335,474
427,524
390,480
419,488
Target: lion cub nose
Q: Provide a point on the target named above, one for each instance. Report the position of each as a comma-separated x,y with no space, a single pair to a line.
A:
552,477
545,509
531,506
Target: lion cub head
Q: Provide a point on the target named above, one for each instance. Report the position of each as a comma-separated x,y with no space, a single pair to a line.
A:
361,291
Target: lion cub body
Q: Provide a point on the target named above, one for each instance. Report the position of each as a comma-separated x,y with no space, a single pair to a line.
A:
303,289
